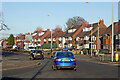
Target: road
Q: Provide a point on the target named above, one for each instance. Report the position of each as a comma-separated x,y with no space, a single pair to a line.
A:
85,69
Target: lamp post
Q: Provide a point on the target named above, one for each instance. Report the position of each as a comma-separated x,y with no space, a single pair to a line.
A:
112,30
51,40
98,38
91,24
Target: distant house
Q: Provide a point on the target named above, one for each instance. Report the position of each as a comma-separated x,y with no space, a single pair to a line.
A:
4,43
39,37
56,38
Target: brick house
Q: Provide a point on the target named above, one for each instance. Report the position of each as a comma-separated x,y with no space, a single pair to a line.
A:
39,37
107,37
56,38
83,39
4,43
117,37
71,33
19,41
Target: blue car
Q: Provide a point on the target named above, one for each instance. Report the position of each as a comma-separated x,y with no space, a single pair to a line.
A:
64,60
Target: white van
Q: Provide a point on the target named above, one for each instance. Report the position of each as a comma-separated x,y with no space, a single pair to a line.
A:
31,48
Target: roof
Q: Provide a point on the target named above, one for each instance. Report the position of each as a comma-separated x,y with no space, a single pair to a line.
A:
101,32
80,34
70,34
87,33
56,35
38,37
109,29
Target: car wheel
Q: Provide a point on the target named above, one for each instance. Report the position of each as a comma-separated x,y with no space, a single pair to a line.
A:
74,69
53,68
31,58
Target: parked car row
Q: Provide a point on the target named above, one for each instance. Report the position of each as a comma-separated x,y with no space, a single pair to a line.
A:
71,48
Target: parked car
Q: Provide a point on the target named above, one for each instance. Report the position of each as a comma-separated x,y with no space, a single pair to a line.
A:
8,47
64,60
72,48
17,48
66,49
31,48
36,54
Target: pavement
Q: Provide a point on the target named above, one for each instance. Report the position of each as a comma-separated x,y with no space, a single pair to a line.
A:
88,58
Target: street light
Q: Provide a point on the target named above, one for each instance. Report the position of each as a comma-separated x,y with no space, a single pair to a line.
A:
98,38
91,24
51,40
112,29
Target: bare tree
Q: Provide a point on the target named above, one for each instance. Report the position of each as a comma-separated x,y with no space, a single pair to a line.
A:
75,21
38,28
3,26
57,29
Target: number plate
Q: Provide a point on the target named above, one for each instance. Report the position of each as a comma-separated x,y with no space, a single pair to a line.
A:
38,54
66,60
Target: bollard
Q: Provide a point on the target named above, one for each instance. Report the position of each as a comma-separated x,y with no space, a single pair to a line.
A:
116,57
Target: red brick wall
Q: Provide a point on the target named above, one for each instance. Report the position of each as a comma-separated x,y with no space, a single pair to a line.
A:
57,42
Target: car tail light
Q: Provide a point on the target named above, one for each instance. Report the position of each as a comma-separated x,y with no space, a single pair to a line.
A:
74,65
73,59
57,59
57,65
33,53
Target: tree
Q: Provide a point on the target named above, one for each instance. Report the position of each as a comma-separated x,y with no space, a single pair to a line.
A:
57,29
75,21
11,40
38,28
3,26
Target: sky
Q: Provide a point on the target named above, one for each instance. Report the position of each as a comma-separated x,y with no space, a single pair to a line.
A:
23,17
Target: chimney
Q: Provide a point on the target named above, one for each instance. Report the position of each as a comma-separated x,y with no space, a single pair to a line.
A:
102,21
48,29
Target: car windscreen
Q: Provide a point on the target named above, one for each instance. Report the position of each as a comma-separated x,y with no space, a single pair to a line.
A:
31,47
65,54
38,51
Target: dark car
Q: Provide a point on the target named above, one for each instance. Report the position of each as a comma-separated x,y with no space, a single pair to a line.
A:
64,60
72,48
36,54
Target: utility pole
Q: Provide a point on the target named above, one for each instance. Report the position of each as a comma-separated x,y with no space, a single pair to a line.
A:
91,25
51,41
112,30
98,38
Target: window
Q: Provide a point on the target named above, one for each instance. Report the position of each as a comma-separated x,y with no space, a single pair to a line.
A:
105,37
64,54
105,46
38,42
71,30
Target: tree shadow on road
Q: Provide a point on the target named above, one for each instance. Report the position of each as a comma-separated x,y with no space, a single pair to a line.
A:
8,54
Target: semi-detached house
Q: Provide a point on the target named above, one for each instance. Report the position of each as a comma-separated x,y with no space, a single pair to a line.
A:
84,37
39,36
71,33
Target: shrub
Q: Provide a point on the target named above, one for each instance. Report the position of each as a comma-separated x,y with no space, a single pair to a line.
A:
85,51
48,46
